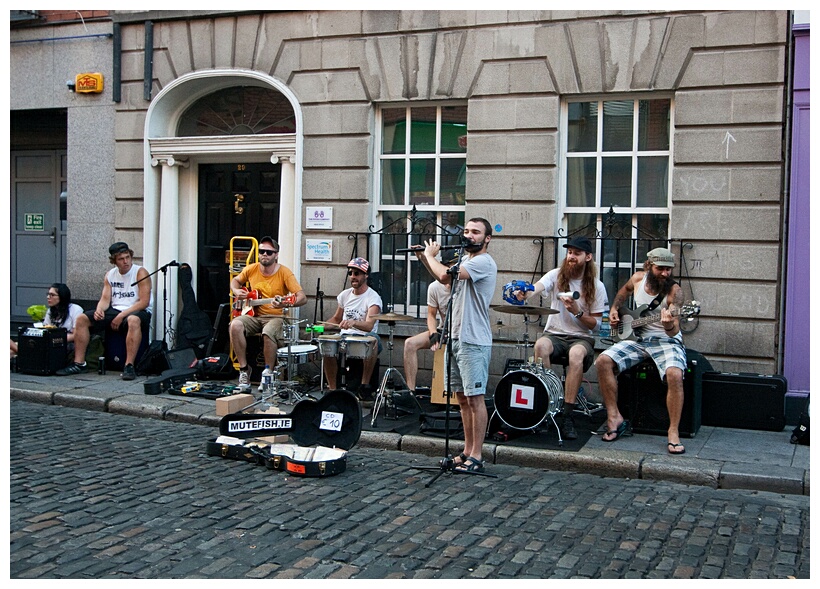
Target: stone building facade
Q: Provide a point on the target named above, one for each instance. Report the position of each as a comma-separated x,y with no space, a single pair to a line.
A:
513,75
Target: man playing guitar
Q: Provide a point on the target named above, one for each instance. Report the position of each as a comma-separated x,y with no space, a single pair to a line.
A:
267,279
661,341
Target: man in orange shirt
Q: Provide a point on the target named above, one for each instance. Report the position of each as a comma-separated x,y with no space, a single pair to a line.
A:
272,281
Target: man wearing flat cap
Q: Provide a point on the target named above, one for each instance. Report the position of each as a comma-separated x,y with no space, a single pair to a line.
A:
124,306
569,333
661,341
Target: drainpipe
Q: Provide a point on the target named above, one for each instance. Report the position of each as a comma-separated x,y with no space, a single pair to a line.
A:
148,72
116,67
787,152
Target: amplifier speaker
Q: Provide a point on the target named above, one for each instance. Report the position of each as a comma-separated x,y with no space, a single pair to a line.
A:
181,358
40,350
642,397
744,401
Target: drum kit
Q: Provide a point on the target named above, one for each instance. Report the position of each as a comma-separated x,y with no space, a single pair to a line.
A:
383,399
528,396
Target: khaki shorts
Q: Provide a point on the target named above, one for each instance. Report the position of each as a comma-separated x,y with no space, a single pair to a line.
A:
269,325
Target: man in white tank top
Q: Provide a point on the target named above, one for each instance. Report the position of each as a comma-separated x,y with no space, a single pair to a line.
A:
123,306
661,341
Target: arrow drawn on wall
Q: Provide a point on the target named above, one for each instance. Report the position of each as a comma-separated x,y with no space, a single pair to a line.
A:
727,140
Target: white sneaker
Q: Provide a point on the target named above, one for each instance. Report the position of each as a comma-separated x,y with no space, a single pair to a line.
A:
244,379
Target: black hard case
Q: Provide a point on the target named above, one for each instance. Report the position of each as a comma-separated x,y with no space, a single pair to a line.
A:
306,430
744,401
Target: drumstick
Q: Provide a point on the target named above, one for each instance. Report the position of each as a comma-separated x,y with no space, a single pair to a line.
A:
328,323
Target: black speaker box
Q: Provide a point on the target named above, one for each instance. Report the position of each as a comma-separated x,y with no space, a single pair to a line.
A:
744,401
642,397
41,350
181,358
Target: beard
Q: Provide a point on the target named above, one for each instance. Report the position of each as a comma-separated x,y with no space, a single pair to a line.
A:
658,285
571,268
266,261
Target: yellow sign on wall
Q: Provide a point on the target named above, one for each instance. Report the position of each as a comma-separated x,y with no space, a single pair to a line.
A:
89,83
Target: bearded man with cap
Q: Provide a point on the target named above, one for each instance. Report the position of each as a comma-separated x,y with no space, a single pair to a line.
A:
569,333
356,315
123,306
662,342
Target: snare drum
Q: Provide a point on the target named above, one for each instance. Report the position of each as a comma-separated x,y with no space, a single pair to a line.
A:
524,398
358,346
299,354
329,345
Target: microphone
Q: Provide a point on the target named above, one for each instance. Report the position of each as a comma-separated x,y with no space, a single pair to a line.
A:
172,263
573,295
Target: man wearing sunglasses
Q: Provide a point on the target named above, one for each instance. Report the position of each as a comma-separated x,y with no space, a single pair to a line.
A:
270,280
358,306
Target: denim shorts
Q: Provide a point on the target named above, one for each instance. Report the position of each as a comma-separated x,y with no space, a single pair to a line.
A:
472,366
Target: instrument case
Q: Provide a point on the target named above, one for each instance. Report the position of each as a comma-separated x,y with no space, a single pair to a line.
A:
744,401
323,430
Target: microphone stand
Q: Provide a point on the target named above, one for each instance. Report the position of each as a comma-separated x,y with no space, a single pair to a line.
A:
447,464
164,270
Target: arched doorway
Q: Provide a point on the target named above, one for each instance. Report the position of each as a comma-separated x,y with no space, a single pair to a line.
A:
200,127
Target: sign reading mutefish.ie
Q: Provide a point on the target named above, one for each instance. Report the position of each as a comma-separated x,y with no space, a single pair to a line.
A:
34,221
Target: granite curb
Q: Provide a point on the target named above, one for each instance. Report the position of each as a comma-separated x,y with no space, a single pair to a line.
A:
611,463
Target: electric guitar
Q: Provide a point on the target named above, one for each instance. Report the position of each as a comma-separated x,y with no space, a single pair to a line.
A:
632,320
246,306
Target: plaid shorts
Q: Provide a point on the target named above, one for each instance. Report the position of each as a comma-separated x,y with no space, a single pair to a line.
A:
666,352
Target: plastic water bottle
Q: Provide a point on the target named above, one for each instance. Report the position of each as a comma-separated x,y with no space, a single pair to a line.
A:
605,324
267,379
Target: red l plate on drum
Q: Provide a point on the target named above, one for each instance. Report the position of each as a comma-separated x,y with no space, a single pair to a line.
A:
523,397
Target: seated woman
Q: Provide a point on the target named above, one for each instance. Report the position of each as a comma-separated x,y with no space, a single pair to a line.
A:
61,313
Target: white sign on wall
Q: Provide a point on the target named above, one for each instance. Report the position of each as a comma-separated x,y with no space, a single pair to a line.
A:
319,217
318,250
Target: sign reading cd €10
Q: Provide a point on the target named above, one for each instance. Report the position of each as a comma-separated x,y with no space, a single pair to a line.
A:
88,83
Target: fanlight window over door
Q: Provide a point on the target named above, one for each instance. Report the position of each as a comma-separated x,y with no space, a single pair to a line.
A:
243,110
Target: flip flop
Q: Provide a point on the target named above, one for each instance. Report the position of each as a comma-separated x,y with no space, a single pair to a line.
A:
671,448
622,430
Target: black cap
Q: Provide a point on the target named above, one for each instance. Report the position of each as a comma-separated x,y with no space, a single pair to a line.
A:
118,247
581,243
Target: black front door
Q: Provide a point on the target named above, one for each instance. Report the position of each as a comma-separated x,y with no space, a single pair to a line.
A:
234,200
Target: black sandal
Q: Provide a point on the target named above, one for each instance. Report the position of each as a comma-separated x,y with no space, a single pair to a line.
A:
462,457
471,465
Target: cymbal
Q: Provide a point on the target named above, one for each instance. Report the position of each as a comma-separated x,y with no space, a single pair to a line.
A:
523,310
392,317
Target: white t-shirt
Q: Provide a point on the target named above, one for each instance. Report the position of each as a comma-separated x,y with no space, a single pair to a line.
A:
74,311
356,306
563,323
438,296
123,295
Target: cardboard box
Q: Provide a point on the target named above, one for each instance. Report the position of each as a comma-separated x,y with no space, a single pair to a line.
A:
232,404
437,395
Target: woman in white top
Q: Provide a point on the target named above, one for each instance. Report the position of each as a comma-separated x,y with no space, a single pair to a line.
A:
61,311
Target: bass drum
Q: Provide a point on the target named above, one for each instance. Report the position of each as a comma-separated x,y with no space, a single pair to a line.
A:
524,398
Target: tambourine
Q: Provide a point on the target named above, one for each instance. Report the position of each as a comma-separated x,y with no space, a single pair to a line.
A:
511,287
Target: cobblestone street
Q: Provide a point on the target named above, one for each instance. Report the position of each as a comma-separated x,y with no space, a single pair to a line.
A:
100,495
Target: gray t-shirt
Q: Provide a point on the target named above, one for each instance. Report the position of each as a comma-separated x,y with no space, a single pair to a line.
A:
471,302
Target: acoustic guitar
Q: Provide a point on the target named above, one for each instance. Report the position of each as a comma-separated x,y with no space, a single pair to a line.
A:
247,306
634,320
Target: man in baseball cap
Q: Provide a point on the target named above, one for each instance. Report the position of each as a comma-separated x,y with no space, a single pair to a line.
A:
356,315
124,306
662,341
579,299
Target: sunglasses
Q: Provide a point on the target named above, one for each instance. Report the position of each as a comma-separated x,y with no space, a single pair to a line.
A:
268,252
354,273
